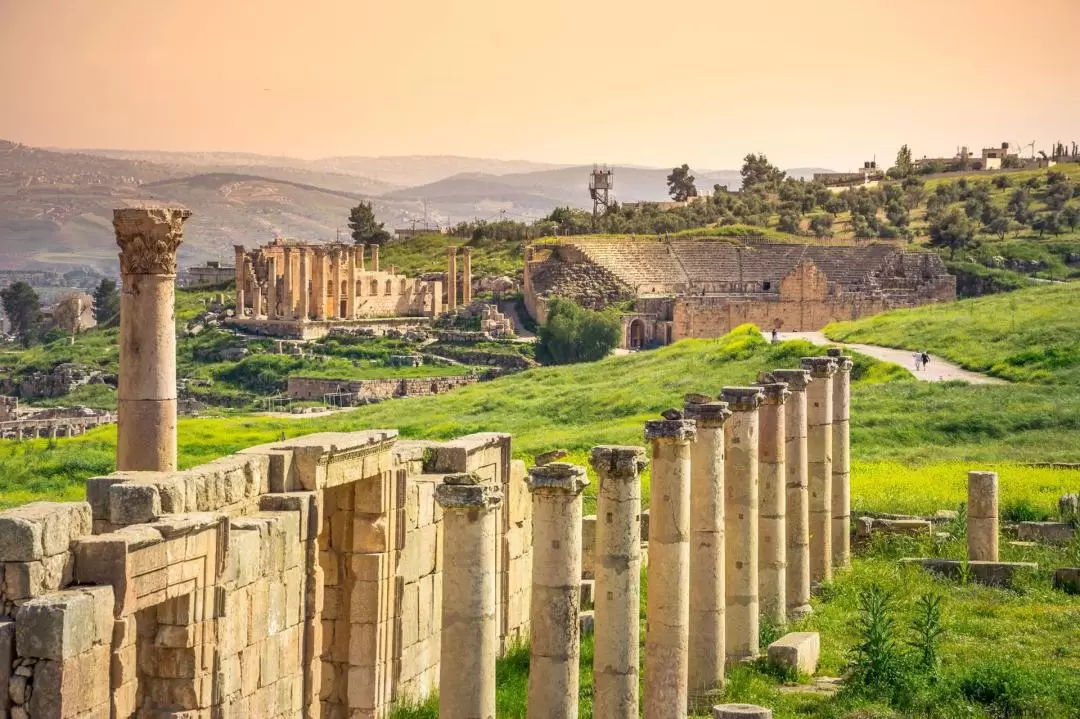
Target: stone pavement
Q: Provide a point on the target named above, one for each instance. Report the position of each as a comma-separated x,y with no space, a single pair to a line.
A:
939,369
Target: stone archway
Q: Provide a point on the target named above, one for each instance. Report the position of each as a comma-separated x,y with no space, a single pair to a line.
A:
637,335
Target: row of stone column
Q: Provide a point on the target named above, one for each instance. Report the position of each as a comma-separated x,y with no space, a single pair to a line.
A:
741,523
304,274
452,277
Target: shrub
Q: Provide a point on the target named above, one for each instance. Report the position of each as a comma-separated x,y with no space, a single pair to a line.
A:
575,334
1005,691
878,665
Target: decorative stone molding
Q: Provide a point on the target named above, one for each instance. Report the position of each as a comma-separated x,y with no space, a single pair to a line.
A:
467,491
743,399
706,414
618,462
795,379
776,392
557,476
677,430
148,238
820,367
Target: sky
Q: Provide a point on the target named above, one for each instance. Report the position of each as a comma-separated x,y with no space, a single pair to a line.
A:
828,83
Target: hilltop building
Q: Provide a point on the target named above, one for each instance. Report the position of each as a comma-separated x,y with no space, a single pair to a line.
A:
297,289
211,274
704,288
868,176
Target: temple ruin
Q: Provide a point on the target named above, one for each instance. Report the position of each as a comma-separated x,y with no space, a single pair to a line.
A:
705,288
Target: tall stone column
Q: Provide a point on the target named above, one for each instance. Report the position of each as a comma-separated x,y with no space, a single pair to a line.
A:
360,250
466,278
617,568
271,287
318,290
240,277
797,510
303,306
667,613
841,460
350,290
470,632
374,258
335,283
554,643
819,397
451,278
146,393
772,495
982,517
707,598
288,301
741,521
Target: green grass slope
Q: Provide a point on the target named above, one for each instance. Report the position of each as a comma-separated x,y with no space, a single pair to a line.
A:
1030,335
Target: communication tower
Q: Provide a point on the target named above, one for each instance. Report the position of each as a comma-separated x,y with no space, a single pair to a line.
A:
601,183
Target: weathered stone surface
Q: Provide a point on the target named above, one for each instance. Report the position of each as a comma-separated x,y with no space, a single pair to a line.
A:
61,625
131,503
867,526
741,711
1067,579
41,529
1045,532
798,650
997,574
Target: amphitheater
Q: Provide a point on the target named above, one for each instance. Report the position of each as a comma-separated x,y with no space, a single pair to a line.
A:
705,288
334,575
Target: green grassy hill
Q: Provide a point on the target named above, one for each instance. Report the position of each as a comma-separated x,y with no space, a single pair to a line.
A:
1030,335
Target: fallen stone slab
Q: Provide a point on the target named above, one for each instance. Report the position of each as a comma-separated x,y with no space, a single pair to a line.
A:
993,574
823,686
1045,532
798,650
741,711
1067,579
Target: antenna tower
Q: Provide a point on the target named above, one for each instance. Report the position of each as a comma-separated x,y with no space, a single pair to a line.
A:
601,183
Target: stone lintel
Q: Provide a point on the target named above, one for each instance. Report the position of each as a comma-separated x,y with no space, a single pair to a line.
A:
467,491
148,238
677,430
820,367
743,399
775,392
795,379
706,414
557,477
618,462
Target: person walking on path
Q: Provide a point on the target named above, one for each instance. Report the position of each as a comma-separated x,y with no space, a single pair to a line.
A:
925,360
918,361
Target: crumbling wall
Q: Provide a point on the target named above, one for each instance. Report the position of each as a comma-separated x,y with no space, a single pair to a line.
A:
299,578
306,388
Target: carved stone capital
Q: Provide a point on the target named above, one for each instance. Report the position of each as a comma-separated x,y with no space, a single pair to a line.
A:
795,379
820,367
148,238
557,477
673,430
776,392
706,414
743,399
618,462
467,491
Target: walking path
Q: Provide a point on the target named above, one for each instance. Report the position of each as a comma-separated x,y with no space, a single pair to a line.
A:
939,370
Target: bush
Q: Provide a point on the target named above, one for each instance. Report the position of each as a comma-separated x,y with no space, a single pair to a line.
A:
1005,691
574,334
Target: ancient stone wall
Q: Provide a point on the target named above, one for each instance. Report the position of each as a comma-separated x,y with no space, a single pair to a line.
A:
300,578
307,388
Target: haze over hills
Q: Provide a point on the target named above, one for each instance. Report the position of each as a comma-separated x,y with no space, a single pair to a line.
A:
56,206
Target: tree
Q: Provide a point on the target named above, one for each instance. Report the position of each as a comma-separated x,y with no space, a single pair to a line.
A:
574,334
106,303
995,220
790,221
23,310
954,230
681,184
758,172
1048,222
904,166
897,213
1020,206
1002,181
821,225
1070,217
363,226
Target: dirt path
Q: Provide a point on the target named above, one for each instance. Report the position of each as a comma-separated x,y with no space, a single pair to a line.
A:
939,370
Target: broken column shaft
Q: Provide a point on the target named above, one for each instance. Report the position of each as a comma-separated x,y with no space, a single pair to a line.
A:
796,511
667,612
819,397
554,642
470,632
841,461
466,275
772,530
982,517
617,568
451,278
707,600
741,521
146,391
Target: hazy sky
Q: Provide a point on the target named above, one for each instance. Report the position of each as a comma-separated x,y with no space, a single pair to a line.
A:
823,82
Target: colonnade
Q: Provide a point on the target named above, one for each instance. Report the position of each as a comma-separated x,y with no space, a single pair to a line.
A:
452,277
743,495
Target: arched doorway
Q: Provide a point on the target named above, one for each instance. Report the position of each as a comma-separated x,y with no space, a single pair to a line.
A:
637,334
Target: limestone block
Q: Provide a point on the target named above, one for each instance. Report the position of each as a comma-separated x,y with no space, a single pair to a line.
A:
123,666
73,687
131,503
1045,532
97,493
798,650
645,526
588,589
997,574
62,625
588,545
741,711
42,529
1067,579
23,580
908,527
7,656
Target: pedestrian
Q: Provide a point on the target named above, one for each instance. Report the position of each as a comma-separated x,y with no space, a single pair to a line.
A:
918,361
775,336
925,360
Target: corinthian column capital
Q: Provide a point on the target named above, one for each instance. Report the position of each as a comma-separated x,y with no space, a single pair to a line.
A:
148,238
